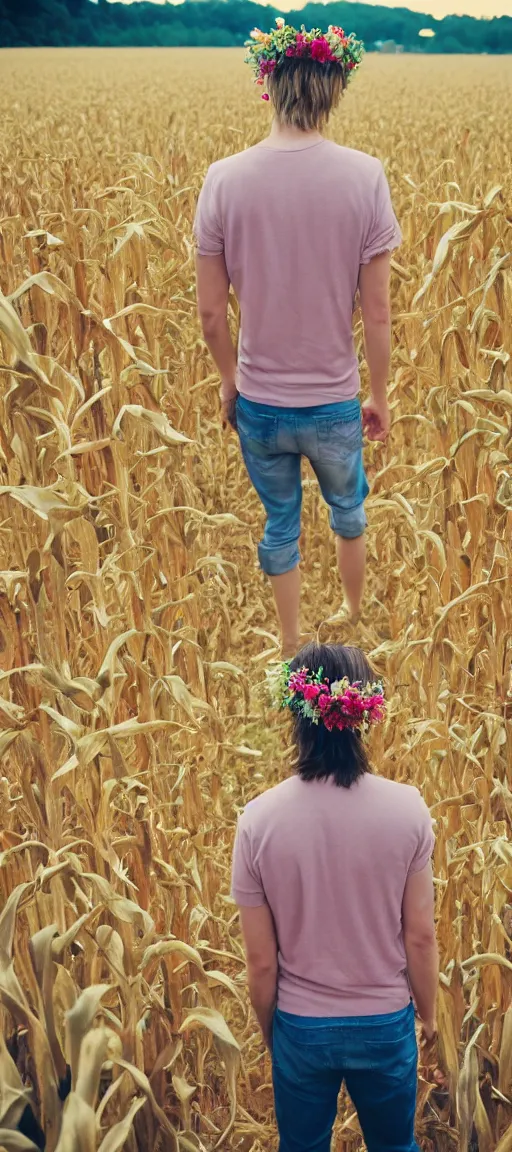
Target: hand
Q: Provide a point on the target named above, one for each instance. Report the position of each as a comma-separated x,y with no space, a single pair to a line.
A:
228,413
228,399
429,1054
376,419
428,1031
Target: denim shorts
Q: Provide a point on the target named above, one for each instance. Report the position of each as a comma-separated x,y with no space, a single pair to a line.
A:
375,1056
273,441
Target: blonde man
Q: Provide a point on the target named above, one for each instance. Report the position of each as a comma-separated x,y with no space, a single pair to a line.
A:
298,225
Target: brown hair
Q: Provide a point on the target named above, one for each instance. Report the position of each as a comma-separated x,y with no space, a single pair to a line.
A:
321,755
304,91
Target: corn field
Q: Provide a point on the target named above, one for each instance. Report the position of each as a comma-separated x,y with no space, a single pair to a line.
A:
135,627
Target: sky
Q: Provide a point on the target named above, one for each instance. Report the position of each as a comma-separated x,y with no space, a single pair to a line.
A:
437,8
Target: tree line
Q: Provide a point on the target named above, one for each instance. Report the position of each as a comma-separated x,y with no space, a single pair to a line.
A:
226,23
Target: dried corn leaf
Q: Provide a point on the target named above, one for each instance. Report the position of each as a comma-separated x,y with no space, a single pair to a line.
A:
116,1138
155,421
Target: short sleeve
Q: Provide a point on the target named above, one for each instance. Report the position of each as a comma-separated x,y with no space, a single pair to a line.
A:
246,886
383,234
425,838
207,227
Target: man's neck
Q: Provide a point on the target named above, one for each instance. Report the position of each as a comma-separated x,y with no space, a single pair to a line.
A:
286,136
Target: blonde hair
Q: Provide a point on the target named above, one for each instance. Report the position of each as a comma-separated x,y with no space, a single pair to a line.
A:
304,91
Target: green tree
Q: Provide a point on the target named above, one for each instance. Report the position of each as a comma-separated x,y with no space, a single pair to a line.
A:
228,22
450,44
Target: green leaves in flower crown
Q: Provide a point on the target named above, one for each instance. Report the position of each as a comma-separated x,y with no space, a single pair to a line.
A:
277,677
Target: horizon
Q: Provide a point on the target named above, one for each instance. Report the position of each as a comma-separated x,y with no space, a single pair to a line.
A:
479,9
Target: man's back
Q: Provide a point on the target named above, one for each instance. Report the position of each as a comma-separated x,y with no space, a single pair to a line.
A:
332,864
295,225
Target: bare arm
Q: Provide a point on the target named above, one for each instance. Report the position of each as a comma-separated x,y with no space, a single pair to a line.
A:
420,944
261,952
376,312
212,299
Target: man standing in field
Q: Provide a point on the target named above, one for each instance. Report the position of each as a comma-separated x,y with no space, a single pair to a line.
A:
297,225
333,880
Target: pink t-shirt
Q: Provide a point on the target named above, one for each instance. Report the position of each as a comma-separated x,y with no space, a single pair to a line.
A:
332,863
295,227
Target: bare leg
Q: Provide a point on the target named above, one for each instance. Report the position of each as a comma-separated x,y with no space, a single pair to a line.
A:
287,597
352,563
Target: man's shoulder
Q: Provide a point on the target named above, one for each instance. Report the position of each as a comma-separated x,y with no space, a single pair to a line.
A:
361,164
228,164
405,796
267,802
359,161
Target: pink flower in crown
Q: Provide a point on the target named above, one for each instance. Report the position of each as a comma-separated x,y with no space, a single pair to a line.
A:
297,682
346,702
353,702
312,691
324,702
267,67
375,707
339,722
320,50
300,46
334,721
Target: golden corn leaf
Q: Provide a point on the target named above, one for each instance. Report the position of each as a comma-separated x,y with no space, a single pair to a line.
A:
468,1091
99,1045
45,502
13,329
13,1141
78,1132
166,948
116,1138
505,1144
215,1023
79,1020
14,1097
505,1067
155,421
142,1082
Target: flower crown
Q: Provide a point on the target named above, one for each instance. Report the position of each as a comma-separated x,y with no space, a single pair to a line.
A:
266,49
337,705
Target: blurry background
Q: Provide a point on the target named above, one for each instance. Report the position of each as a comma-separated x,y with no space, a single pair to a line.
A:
227,22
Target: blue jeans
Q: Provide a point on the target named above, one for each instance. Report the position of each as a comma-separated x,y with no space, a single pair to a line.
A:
273,440
377,1058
